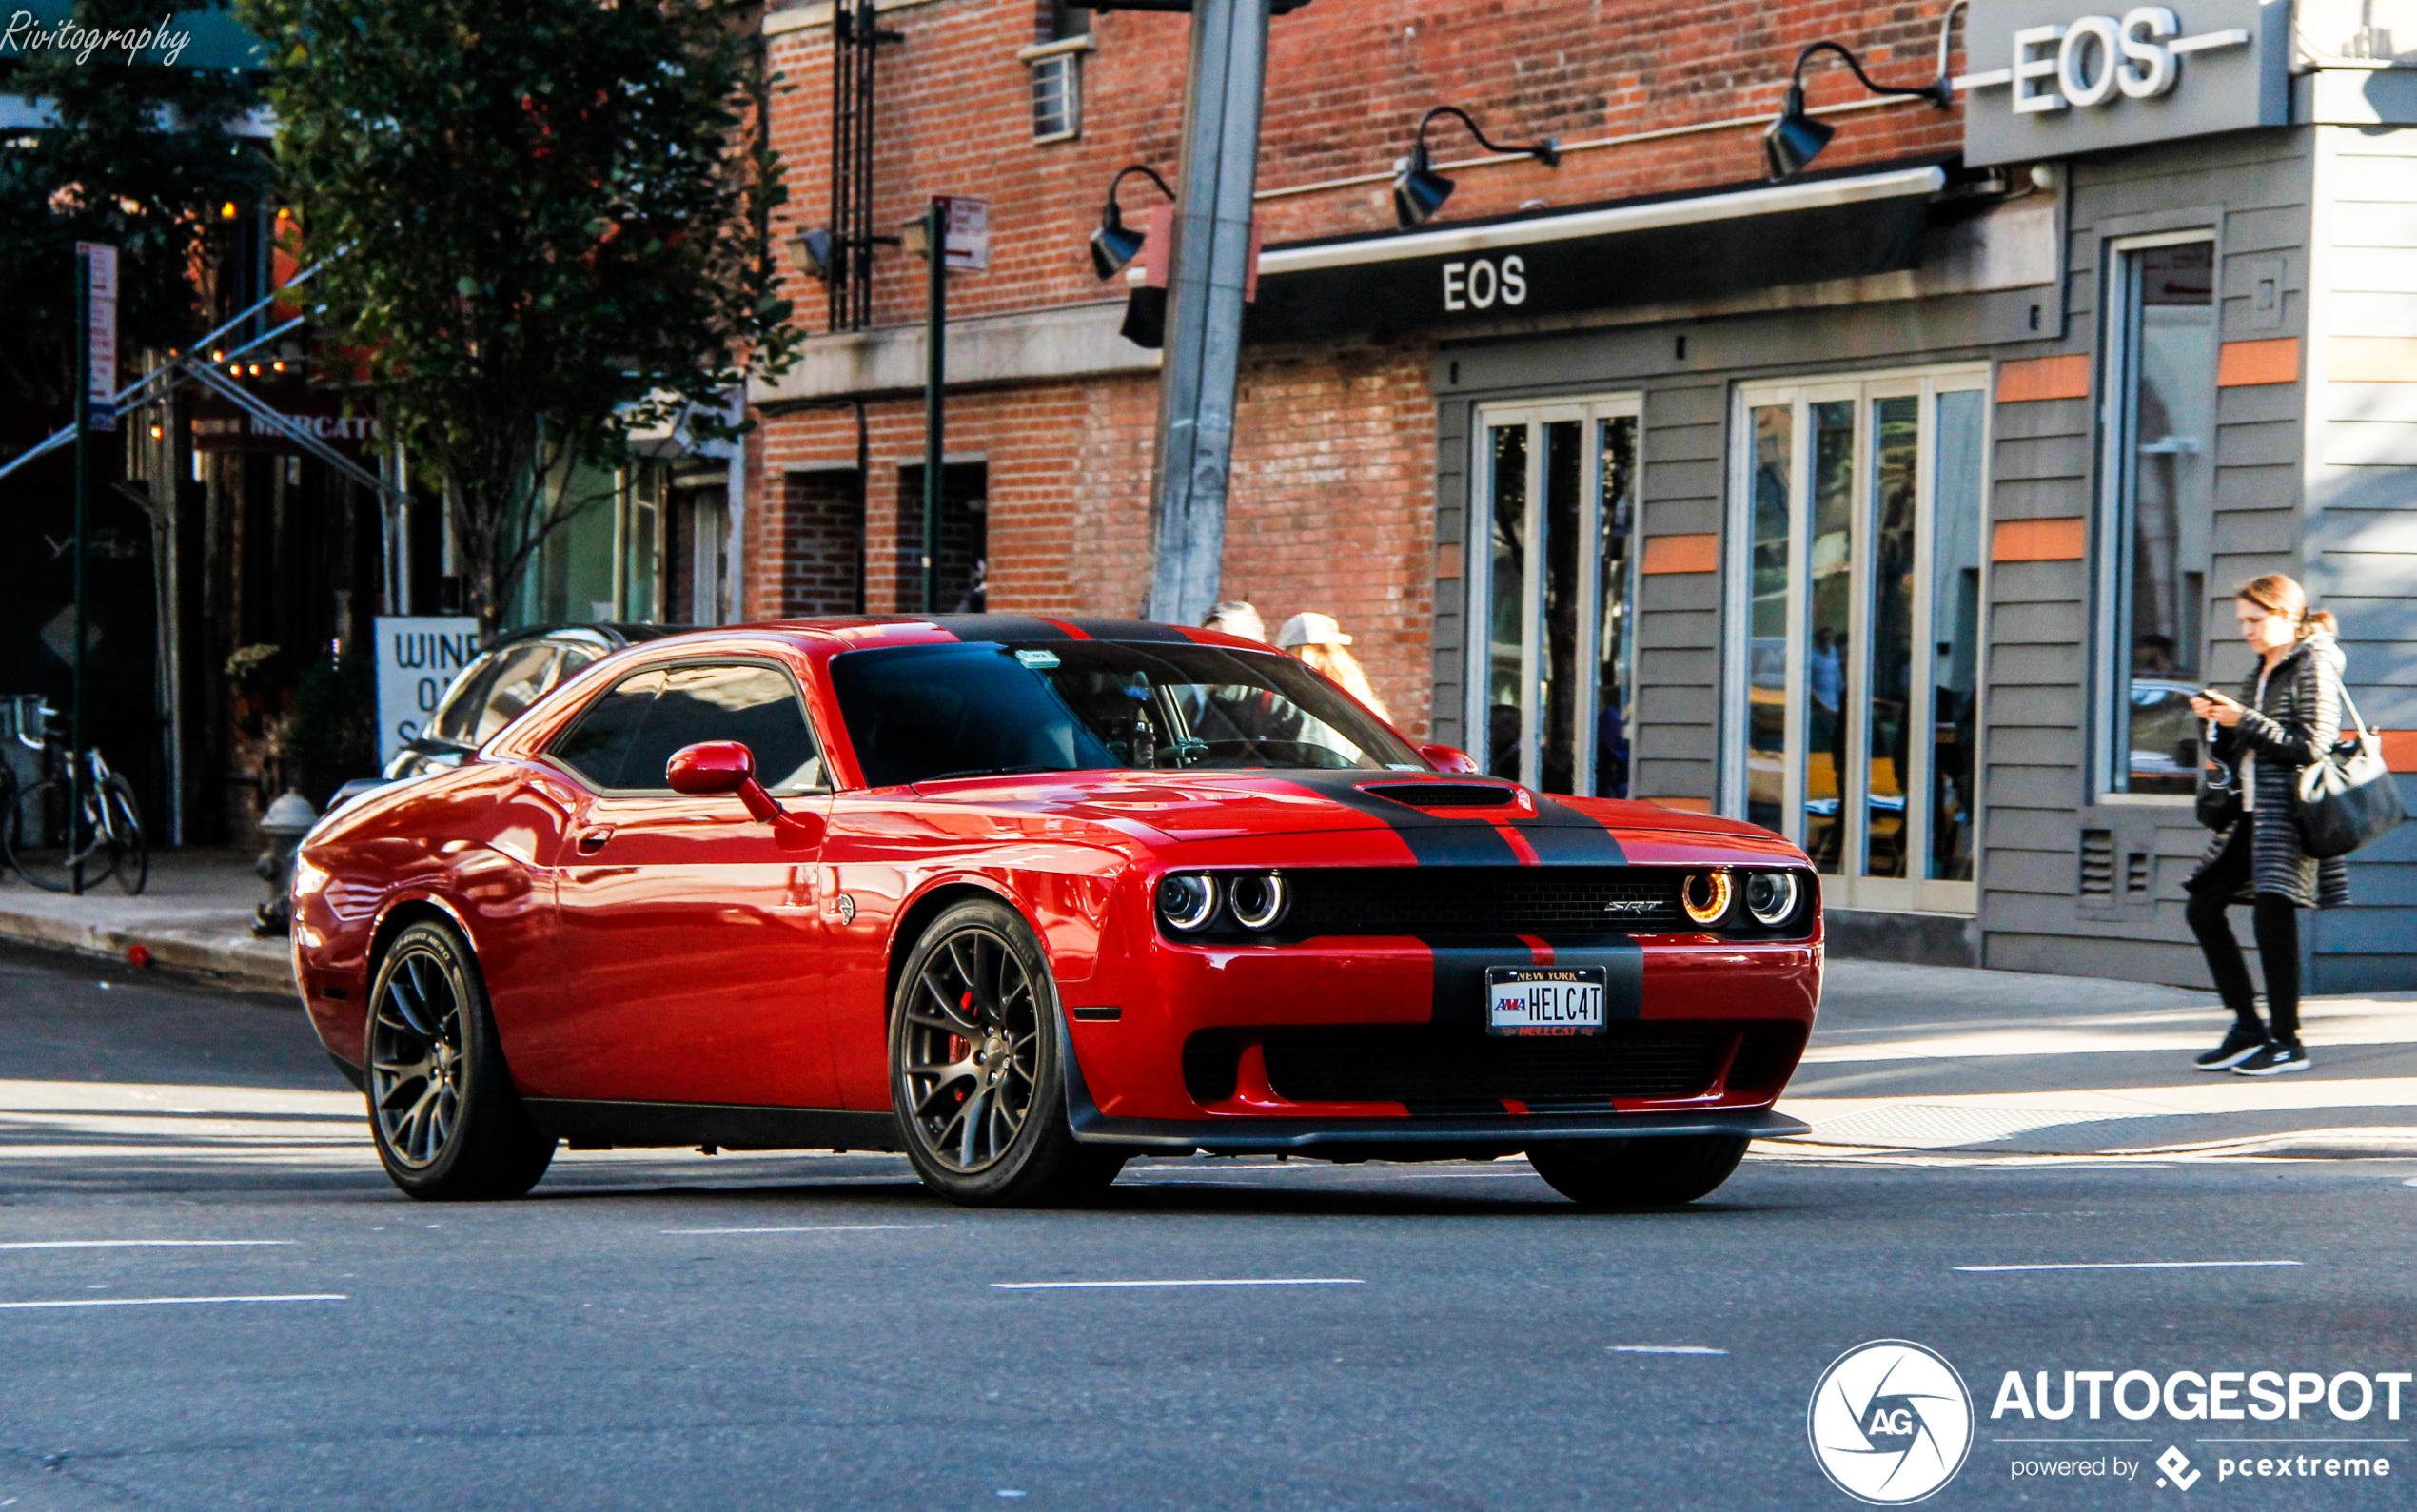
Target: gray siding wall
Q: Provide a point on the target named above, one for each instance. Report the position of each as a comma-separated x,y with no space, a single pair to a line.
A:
2047,720
2361,479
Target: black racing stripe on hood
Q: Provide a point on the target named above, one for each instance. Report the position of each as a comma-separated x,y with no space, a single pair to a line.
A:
998,627
1461,961
1565,836
1434,839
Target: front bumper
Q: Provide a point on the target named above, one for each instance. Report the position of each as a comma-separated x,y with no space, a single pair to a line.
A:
1405,1138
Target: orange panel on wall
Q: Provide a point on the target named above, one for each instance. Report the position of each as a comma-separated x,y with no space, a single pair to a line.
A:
2400,749
2244,364
1682,554
2044,378
2039,541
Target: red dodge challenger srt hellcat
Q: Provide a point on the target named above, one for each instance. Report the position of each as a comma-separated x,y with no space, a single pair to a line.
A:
1023,897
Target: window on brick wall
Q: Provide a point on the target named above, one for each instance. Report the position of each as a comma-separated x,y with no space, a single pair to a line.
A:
964,538
822,545
1056,65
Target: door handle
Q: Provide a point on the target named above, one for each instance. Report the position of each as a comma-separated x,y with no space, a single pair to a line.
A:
592,840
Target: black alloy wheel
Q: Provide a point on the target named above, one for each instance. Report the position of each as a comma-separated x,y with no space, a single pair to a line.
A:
1662,1172
448,1125
975,1069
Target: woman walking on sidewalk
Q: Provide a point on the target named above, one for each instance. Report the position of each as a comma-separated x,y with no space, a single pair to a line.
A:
2289,715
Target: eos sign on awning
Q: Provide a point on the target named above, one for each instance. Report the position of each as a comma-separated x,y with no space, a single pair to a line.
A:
2047,81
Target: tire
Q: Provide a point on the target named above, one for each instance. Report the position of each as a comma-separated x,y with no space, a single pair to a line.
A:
133,863
1639,1172
35,832
975,1068
448,1125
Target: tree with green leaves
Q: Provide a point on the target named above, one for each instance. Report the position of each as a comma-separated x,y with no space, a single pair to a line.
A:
544,225
132,152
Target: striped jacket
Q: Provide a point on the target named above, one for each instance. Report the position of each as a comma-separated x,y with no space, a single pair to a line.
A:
2296,723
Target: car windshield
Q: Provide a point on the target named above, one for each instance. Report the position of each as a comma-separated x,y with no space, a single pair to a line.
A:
916,714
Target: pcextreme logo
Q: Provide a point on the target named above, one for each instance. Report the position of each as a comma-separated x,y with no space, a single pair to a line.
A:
1890,1422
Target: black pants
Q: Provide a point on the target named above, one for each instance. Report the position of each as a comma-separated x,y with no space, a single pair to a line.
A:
2276,920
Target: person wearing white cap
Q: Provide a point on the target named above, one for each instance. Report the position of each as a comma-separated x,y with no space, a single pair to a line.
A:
1317,639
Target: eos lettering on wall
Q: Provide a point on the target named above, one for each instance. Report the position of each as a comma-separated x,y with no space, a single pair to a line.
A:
1478,284
2045,82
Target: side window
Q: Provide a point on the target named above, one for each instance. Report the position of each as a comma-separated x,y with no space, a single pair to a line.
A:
520,676
597,746
753,704
458,715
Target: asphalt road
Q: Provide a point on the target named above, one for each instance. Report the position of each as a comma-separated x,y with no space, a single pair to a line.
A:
677,1331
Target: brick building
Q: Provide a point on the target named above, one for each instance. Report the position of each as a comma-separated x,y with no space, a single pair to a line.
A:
1894,506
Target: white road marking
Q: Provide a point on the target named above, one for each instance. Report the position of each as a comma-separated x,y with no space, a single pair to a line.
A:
138,1243
1662,1349
811,1228
174,1302
2141,1264
1091,1286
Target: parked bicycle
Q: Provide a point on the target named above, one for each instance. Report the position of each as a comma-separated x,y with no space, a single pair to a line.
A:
64,838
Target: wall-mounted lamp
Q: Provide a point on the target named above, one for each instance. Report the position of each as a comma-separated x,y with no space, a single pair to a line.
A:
1794,139
1419,191
1113,244
813,249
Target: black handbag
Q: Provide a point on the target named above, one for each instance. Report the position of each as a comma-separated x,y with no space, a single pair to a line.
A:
2348,797
2219,797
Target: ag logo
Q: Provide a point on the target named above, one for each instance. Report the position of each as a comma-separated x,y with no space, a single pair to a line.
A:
1890,1423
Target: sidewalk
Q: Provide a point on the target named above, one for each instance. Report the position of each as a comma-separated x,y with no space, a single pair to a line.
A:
1907,1061
1913,1059
195,915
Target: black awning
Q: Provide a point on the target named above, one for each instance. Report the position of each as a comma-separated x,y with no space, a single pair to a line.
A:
1656,249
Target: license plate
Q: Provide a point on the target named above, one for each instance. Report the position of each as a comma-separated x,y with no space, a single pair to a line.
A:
1543,1000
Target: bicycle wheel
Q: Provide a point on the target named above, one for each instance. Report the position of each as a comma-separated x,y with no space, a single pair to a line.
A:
124,823
36,835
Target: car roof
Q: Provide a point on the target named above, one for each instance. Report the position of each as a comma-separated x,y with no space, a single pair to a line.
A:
608,636
874,630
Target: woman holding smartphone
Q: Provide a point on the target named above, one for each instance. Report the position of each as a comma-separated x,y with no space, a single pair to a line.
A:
2288,716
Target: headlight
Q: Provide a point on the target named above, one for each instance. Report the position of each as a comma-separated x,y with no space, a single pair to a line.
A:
1186,900
1705,896
1771,897
1257,899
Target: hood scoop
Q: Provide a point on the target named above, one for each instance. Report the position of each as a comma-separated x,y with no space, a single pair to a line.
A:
1447,795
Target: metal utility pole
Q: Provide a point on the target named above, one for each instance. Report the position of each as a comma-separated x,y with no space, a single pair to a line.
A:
1211,263
83,496
935,383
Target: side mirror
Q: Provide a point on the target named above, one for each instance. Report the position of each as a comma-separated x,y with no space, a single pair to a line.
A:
710,768
1441,757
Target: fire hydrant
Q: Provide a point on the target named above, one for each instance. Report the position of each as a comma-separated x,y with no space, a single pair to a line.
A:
287,821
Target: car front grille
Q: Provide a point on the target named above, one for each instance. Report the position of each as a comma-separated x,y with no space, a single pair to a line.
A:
1462,1073
1431,900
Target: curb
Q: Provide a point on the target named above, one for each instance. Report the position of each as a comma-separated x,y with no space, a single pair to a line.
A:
239,961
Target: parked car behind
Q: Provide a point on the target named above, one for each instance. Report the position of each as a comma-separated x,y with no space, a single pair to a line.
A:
515,670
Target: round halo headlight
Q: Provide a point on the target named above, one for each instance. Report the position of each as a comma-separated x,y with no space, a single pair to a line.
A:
1771,897
1257,899
1705,896
1186,901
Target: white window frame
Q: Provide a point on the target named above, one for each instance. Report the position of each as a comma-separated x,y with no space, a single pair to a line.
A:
1036,59
1911,892
2110,663
1478,568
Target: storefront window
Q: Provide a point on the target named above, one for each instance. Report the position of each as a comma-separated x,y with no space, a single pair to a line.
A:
1954,631
1889,711
1557,584
2165,352
1615,569
1859,604
1771,486
1829,627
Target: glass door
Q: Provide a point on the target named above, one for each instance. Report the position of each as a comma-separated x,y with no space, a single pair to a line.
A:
1859,596
1554,586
